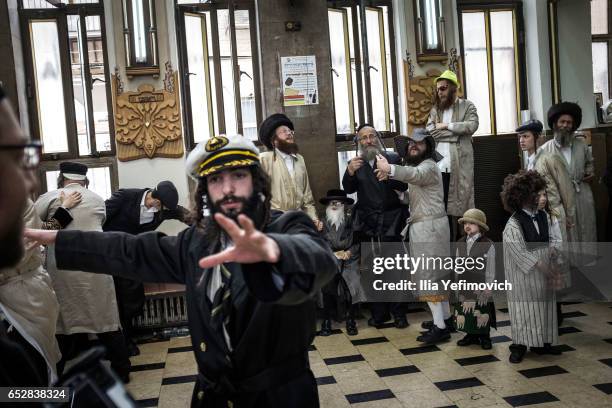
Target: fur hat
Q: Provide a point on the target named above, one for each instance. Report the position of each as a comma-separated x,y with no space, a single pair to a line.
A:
565,108
269,126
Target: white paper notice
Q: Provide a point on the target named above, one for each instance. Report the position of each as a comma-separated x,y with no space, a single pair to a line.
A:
299,76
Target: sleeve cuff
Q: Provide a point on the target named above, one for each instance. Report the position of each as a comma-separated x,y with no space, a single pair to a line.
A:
392,171
451,127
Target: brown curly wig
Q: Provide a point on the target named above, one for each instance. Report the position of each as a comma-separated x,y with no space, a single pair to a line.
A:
521,190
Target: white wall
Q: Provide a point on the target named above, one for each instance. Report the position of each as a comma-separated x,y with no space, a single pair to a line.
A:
575,59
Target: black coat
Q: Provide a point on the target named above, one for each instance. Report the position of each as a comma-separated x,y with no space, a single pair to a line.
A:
378,212
271,328
123,214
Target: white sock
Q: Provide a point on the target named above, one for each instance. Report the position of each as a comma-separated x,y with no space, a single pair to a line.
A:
446,310
438,314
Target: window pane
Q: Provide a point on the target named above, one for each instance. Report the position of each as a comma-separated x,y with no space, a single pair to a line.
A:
377,69
49,86
430,24
393,125
98,78
99,181
247,78
81,109
340,71
227,72
140,32
354,63
599,16
36,4
601,69
197,56
343,159
476,67
504,71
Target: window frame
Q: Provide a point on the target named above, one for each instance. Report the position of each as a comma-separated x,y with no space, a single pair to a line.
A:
218,109
606,38
364,102
151,65
91,163
60,16
516,6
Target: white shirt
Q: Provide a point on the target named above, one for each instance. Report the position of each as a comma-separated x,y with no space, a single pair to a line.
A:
146,214
531,161
444,147
289,161
567,153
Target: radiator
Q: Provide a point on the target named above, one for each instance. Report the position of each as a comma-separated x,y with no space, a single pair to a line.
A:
163,310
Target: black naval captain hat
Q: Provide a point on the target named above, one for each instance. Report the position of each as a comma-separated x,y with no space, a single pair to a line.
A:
532,125
167,194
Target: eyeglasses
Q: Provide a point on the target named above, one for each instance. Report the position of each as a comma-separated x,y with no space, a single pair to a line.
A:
367,137
443,88
336,203
285,132
30,154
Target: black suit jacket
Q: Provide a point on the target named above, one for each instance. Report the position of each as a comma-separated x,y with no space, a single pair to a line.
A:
123,212
378,212
271,328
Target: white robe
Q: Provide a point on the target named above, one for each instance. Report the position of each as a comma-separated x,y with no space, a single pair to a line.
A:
87,300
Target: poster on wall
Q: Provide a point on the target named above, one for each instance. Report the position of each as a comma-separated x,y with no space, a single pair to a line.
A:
299,76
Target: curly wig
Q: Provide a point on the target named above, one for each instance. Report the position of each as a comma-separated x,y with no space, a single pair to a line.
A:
521,190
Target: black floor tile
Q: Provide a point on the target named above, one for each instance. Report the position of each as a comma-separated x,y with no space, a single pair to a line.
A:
449,406
387,325
488,358
369,396
150,402
500,339
503,310
608,340
326,380
179,380
605,388
343,359
564,347
146,367
372,340
542,371
334,331
607,361
569,315
568,330
458,384
180,349
388,372
530,399
419,350
312,347
503,323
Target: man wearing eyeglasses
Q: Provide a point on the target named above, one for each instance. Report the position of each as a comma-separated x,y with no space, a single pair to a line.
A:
18,157
452,122
286,168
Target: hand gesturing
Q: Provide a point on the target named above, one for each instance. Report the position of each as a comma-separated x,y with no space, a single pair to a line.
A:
250,245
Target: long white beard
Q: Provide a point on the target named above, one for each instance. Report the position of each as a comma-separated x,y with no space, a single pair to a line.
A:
335,217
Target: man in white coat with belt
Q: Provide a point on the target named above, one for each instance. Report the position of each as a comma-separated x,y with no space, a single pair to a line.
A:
87,301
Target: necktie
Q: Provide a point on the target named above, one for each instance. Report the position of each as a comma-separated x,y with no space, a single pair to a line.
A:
222,301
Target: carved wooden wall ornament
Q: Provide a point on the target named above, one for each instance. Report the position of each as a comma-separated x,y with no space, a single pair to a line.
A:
148,121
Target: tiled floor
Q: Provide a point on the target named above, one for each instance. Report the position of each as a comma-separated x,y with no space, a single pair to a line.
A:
389,368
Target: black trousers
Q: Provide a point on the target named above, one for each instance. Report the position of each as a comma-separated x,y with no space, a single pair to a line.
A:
114,342
35,375
130,299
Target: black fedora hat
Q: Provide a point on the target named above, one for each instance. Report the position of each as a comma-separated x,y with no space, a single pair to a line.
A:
336,195
269,126
565,108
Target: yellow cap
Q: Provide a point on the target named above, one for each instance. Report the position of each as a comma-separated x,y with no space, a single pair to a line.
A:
448,75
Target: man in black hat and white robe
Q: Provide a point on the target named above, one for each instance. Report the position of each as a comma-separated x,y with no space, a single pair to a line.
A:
564,118
286,167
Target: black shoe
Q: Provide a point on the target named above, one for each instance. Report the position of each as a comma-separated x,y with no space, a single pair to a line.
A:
351,327
133,349
450,325
547,349
401,322
435,335
517,354
485,343
326,328
375,323
469,339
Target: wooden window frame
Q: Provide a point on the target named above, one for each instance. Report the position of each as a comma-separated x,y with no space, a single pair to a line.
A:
151,65
60,15
607,38
516,7
219,108
91,163
440,54
364,102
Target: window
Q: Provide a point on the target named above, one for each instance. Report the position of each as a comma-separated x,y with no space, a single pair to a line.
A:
68,84
602,46
429,30
490,46
140,37
364,76
220,78
102,177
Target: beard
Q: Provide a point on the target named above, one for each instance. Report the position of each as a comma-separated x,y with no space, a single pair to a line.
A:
12,245
368,153
415,160
563,136
253,207
287,147
335,218
447,102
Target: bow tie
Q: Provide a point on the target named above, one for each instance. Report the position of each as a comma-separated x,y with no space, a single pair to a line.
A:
534,217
